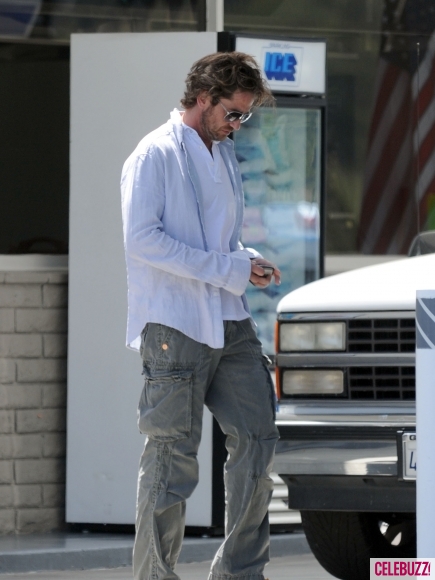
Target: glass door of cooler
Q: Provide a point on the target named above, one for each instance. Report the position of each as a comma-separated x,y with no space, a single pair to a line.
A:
279,152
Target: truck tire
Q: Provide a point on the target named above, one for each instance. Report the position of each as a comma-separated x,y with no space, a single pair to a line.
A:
344,542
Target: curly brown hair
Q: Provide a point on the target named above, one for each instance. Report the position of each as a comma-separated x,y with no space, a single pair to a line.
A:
221,74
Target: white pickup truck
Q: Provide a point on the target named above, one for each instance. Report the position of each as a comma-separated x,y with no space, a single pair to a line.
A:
345,373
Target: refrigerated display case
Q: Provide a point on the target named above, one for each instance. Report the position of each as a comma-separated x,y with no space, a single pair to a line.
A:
281,152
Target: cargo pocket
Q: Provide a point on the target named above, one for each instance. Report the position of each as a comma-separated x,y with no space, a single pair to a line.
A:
165,406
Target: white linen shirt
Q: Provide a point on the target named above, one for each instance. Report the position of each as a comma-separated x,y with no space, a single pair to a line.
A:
173,276
219,208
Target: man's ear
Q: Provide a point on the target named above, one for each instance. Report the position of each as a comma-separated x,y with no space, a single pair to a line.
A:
203,99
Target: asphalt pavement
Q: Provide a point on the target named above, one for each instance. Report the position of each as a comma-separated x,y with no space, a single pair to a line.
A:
86,551
293,567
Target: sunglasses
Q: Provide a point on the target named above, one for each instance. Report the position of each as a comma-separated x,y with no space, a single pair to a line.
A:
232,116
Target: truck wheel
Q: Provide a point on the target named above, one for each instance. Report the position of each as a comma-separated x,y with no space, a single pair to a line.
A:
344,542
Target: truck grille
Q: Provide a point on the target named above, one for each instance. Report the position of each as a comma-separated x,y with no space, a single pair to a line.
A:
381,383
381,335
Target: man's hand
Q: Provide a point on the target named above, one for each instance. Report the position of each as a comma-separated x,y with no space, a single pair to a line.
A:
258,276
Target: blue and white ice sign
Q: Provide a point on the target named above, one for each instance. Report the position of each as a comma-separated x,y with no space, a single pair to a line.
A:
280,66
289,66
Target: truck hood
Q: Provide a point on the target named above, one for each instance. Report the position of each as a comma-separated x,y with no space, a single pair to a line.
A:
388,286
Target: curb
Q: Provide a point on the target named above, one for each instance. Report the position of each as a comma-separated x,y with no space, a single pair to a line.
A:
85,552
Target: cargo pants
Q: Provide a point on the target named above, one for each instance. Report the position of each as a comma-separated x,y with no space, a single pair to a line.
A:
181,376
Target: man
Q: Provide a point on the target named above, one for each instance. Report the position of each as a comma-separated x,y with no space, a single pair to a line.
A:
187,272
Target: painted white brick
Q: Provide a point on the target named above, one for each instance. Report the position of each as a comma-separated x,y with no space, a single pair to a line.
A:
54,395
33,350
7,521
6,497
7,370
3,396
5,446
26,446
6,472
58,277
27,495
20,396
40,420
41,319
54,445
39,520
53,495
20,345
15,295
7,323
55,295
6,421
41,370
55,345
26,277
39,471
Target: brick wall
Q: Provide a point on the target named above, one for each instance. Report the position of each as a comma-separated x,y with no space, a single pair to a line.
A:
33,339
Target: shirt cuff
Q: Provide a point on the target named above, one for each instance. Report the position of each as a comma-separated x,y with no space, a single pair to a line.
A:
252,253
240,273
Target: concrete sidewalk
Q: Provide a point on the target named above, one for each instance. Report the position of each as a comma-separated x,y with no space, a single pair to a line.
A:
74,551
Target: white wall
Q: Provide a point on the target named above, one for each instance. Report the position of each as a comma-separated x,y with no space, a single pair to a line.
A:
122,86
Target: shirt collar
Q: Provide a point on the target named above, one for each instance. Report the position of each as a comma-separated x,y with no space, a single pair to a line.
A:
176,118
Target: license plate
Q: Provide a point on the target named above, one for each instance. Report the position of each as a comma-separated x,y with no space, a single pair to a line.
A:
409,456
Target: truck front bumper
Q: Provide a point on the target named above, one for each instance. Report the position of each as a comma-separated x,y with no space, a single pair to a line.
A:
344,458
337,457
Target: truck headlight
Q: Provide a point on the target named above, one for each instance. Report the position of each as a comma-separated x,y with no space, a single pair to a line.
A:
307,382
312,336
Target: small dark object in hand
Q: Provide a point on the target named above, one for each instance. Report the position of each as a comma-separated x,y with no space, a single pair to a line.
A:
268,270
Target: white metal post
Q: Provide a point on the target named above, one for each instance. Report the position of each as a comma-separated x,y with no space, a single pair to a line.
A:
425,395
215,15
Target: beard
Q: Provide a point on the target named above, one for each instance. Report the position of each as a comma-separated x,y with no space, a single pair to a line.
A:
206,129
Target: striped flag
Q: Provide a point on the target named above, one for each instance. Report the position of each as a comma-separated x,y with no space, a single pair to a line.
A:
17,17
399,178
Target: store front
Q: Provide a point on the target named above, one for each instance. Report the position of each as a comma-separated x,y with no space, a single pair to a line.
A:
380,146
362,39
